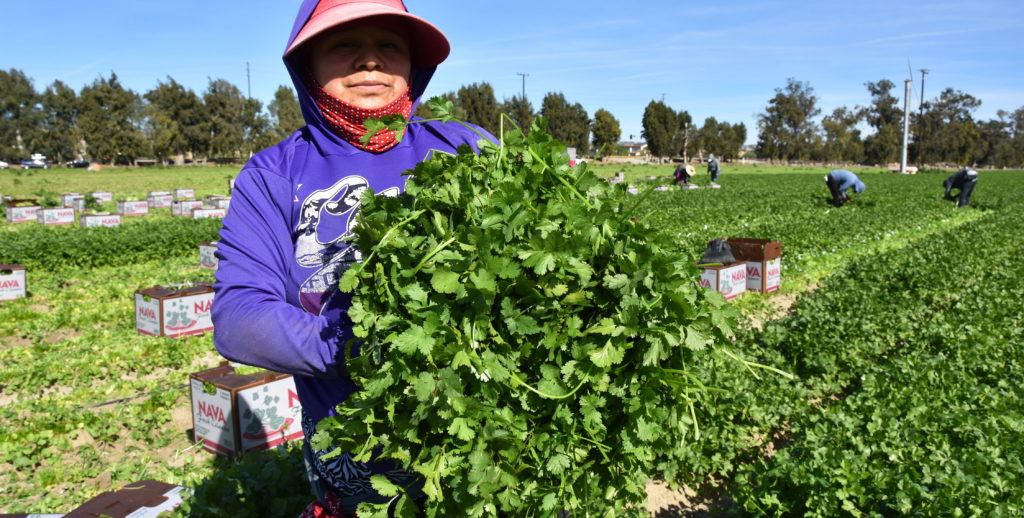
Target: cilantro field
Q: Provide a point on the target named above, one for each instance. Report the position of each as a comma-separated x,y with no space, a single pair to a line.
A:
899,320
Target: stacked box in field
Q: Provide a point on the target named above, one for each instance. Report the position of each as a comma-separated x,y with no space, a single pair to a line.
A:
219,202
204,213
101,219
55,216
20,211
185,207
159,201
102,196
78,204
764,262
143,499
208,255
68,199
184,194
132,207
174,310
729,279
12,282
236,413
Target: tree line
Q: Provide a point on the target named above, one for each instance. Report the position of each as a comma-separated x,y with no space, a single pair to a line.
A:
943,130
109,123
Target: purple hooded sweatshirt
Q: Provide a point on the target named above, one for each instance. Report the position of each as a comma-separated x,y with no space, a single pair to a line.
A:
281,252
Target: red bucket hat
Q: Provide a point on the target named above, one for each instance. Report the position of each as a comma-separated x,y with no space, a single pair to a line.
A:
429,44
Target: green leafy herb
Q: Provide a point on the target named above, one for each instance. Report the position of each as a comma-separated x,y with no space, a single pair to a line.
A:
521,336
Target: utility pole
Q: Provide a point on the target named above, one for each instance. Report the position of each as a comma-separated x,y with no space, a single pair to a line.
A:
248,79
920,119
524,76
906,123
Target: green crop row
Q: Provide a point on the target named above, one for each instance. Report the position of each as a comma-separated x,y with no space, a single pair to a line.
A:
71,346
135,241
927,345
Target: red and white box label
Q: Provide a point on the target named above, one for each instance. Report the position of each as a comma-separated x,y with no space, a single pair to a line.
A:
730,281
58,216
208,256
12,282
185,207
100,220
133,208
205,213
160,201
22,214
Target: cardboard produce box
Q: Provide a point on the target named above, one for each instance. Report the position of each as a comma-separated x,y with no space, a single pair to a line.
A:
68,199
203,213
55,216
12,282
159,201
100,219
21,211
184,194
219,203
185,207
207,256
174,310
730,280
143,499
102,196
132,208
236,413
764,262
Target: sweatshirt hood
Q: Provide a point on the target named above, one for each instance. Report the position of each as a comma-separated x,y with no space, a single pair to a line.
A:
418,80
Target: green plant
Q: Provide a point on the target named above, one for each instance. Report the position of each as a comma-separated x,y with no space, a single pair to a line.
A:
527,344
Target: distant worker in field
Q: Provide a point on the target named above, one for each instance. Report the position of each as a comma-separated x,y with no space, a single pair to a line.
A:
964,180
714,169
839,182
683,174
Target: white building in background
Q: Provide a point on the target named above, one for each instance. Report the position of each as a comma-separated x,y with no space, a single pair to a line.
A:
634,148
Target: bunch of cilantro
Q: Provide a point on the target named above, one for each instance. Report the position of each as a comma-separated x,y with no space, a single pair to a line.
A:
524,339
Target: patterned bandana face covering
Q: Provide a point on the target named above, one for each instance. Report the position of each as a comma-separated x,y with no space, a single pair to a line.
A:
346,120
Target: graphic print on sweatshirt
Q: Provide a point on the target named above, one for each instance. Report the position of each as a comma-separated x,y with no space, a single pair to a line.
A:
326,217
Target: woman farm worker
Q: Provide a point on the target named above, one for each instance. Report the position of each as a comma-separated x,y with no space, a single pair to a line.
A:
281,250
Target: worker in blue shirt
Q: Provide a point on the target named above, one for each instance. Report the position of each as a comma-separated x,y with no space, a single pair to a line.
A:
714,169
965,180
839,181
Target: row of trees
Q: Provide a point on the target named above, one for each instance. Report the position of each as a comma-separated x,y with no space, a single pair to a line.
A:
109,123
670,133
568,122
943,131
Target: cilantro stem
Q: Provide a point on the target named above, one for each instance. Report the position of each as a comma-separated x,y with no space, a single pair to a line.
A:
543,394
749,364
434,252
387,234
572,189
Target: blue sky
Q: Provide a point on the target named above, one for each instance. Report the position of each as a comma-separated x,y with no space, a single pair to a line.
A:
723,59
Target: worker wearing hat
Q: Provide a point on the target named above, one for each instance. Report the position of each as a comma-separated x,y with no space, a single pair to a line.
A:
964,180
282,246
